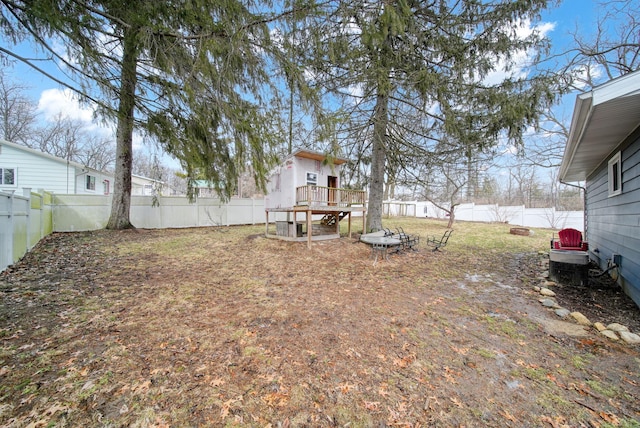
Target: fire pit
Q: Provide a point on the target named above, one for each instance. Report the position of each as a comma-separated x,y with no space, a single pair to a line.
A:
523,231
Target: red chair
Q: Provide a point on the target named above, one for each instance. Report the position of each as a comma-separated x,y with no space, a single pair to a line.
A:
570,239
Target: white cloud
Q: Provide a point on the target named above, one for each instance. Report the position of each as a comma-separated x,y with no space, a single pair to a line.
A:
520,60
56,102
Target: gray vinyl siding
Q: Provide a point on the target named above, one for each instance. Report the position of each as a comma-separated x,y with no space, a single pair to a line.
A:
613,223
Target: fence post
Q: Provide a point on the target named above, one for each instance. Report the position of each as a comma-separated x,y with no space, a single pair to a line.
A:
9,241
26,191
41,196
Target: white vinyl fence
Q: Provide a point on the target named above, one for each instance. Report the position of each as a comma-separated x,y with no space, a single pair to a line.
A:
27,218
515,215
86,212
24,220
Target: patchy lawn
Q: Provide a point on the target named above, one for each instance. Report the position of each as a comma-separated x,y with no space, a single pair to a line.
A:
223,327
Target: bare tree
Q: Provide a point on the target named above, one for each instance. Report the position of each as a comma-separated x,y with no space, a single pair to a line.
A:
17,112
97,152
526,182
69,139
613,51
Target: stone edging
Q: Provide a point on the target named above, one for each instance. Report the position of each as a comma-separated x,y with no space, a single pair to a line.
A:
613,331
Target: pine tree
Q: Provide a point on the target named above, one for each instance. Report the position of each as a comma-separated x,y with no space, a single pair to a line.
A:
407,71
191,73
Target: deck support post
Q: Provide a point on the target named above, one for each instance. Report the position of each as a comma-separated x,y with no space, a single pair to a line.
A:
309,229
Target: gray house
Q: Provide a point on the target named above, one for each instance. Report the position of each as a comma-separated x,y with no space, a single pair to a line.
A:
603,151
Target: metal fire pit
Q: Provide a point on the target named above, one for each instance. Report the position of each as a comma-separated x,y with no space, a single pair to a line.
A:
569,267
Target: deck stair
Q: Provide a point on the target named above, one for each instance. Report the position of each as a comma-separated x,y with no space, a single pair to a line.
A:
330,219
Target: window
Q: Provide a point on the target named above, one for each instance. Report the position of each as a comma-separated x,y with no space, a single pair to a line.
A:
312,178
8,176
91,182
615,175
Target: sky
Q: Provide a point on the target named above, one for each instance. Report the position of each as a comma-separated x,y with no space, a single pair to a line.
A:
52,99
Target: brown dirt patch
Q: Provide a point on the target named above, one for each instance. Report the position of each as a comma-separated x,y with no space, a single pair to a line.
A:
601,300
213,327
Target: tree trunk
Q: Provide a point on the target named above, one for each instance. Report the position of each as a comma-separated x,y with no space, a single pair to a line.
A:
121,204
452,217
378,161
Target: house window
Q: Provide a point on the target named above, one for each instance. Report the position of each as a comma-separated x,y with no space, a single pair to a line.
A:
91,182
8,176
106,187
312,178
615,175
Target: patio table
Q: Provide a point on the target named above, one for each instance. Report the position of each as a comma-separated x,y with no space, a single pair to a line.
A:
380,245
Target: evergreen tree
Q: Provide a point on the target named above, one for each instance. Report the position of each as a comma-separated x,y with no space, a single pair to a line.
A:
411,73
191,73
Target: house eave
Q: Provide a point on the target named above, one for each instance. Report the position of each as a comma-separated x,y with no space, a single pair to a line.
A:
602,119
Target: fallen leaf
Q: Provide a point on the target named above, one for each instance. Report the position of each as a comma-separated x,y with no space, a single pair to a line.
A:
372,405
505,414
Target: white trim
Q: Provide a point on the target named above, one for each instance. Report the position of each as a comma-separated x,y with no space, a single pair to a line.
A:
87,180
314,181
614,174
15,176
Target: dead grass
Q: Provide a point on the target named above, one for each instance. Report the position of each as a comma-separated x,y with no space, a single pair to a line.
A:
223,327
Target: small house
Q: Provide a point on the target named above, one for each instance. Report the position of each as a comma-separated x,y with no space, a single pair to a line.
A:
305,188
603,151
23,167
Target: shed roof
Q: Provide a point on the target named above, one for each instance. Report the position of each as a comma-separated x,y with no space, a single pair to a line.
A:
602,119
308,154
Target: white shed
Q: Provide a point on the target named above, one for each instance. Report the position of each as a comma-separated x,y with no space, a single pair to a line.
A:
309,182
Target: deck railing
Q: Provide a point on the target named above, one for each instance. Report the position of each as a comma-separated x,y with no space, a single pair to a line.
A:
329,196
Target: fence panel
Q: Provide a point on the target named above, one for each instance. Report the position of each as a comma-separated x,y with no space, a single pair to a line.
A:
88,212
515,215
24,220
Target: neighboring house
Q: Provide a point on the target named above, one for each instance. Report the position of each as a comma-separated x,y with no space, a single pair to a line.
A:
308,183
604,151
22,167
206,189
144,186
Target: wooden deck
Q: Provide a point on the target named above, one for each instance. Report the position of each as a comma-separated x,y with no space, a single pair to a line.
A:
320,200
320,196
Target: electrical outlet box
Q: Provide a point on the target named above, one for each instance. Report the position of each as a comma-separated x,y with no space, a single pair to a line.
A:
617,259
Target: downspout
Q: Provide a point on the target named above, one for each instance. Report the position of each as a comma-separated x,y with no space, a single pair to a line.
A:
584,203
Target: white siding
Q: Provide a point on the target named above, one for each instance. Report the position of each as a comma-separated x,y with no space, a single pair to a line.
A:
37,172
100,188
304,165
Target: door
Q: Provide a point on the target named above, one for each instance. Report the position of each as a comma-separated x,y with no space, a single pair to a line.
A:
332,184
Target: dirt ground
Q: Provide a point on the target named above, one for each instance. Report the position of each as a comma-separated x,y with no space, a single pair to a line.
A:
223,327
